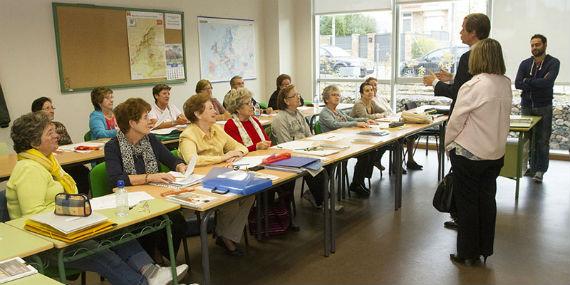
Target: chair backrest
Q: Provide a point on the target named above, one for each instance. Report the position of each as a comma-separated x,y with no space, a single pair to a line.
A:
410,105
87,136
262,105
308,103
99,181
4,216
317,128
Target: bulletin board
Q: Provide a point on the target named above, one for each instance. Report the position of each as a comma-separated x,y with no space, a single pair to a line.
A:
118,46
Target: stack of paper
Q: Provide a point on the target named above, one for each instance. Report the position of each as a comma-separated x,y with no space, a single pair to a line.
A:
183,179
68,228
15,268
110,201
191,199
520,122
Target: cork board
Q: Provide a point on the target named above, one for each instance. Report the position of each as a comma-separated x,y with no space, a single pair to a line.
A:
93,47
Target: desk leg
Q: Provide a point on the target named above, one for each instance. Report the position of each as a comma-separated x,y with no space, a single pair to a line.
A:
326,213
398,165
441,152
170,248
519,164
332,212
61,266
203,220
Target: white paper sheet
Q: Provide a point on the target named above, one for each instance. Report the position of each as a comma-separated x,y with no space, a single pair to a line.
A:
110,201
71,147
295,145
249,161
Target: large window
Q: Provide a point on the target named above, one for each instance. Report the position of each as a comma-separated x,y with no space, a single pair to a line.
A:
352,47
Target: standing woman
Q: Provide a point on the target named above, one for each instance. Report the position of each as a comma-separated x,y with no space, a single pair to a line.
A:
80,173
475,139
102,123
205,87
332,119
204,138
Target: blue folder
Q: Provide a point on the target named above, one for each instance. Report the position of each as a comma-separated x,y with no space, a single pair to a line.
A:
298,162
236,181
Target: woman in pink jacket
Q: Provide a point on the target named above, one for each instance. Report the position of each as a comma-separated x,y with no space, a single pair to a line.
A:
475,139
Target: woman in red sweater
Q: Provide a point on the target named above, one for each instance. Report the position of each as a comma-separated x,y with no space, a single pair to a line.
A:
243,126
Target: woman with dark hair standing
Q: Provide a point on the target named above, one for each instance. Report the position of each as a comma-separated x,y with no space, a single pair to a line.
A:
79,173
475,139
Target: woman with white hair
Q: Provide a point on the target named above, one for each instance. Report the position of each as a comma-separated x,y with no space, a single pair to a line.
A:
243,126
331,119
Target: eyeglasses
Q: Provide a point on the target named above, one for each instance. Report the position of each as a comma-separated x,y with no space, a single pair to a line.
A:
250,103
294,95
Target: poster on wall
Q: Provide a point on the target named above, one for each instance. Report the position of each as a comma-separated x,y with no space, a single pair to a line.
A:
227,48
145,32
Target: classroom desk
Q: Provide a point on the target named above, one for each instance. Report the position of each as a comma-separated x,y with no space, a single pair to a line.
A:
36,279
523,134
7,162
204,211
137,221
17,242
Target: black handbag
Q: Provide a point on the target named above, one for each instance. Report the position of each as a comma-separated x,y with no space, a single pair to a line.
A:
443,198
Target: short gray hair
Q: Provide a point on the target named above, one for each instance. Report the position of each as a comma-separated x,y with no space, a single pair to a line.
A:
328,91
27,130
235,99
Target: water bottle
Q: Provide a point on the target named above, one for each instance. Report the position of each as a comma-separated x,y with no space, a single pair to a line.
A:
122,199
257,110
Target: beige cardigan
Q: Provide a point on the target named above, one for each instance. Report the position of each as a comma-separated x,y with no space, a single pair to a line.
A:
480,120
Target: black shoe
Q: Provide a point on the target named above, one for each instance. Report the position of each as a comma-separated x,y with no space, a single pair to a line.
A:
294,227
452,225
464,261
378,165
412,165
359,189
236,252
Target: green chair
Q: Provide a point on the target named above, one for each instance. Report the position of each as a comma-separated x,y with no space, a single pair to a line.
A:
99,181
87,136
262,105
308,103
317,128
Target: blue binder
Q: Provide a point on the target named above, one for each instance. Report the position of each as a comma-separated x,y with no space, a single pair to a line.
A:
236,181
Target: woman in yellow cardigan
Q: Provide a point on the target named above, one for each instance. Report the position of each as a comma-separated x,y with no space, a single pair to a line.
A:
31,189
204,138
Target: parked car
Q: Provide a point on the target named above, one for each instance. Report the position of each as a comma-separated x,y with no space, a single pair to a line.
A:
335,60
446,58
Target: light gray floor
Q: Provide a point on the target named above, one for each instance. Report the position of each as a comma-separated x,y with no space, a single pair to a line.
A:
376,245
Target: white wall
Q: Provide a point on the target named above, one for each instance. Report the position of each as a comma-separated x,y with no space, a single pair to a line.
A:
28,57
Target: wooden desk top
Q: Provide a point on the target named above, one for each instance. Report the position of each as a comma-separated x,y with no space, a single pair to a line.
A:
35,279
157,207
16,242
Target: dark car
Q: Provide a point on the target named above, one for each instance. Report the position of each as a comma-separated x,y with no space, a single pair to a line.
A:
338,61
443,58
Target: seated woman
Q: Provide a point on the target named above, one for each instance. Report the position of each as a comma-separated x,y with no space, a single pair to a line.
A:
79,172
134,156
204,138
247,130
38,177
282,81
411,164
205,87
332,119
163,114
102,122
243,126
290,125
366,107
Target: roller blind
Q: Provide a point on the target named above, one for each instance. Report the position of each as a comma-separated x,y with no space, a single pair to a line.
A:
346,6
